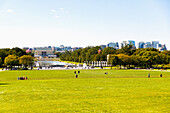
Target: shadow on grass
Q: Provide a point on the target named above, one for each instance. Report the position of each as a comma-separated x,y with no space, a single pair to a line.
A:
4,84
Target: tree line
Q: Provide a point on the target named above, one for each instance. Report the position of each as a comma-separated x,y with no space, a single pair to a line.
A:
126,56
15,57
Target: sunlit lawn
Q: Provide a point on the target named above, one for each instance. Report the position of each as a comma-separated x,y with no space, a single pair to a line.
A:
59,91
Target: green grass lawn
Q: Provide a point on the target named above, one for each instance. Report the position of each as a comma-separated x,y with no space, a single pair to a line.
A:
127,91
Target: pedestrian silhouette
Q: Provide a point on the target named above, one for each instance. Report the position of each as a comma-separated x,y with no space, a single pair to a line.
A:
160,75
148,75
76,76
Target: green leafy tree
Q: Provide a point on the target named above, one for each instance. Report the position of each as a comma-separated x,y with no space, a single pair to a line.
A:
75,55
113,59
26,60
82,55
0,62
125,56
127,50
97,57
17,52
3,54
123,59
109,50
136,60
162,58
150,58
65,56
58,54
11,61
167,52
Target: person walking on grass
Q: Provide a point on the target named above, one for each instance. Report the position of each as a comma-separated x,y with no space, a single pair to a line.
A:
160,75
76,76
148,75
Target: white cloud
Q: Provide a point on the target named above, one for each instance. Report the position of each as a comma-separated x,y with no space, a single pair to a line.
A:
61,8
56,16
53,11
60,11
9,11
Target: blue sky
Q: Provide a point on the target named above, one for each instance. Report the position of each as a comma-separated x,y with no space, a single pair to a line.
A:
82,22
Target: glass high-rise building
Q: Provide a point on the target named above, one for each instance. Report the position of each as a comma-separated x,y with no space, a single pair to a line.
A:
114,45
131,42
103,46
155,44
148,45
141,45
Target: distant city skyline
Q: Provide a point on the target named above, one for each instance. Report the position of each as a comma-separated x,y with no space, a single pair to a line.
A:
36,23
116,45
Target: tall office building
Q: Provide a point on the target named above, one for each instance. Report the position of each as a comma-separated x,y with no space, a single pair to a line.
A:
103,46
61,46
148,45
161,47
141,44
114,45
131,42
155,44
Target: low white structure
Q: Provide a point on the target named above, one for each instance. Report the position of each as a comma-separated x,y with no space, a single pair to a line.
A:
96,63
50,64
85,66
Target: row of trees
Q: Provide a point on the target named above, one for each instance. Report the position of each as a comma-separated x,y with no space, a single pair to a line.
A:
147,60
87,54
15,57
125,56
25,60
14,51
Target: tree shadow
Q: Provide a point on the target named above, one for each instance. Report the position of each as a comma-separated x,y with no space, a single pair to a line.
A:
4,84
